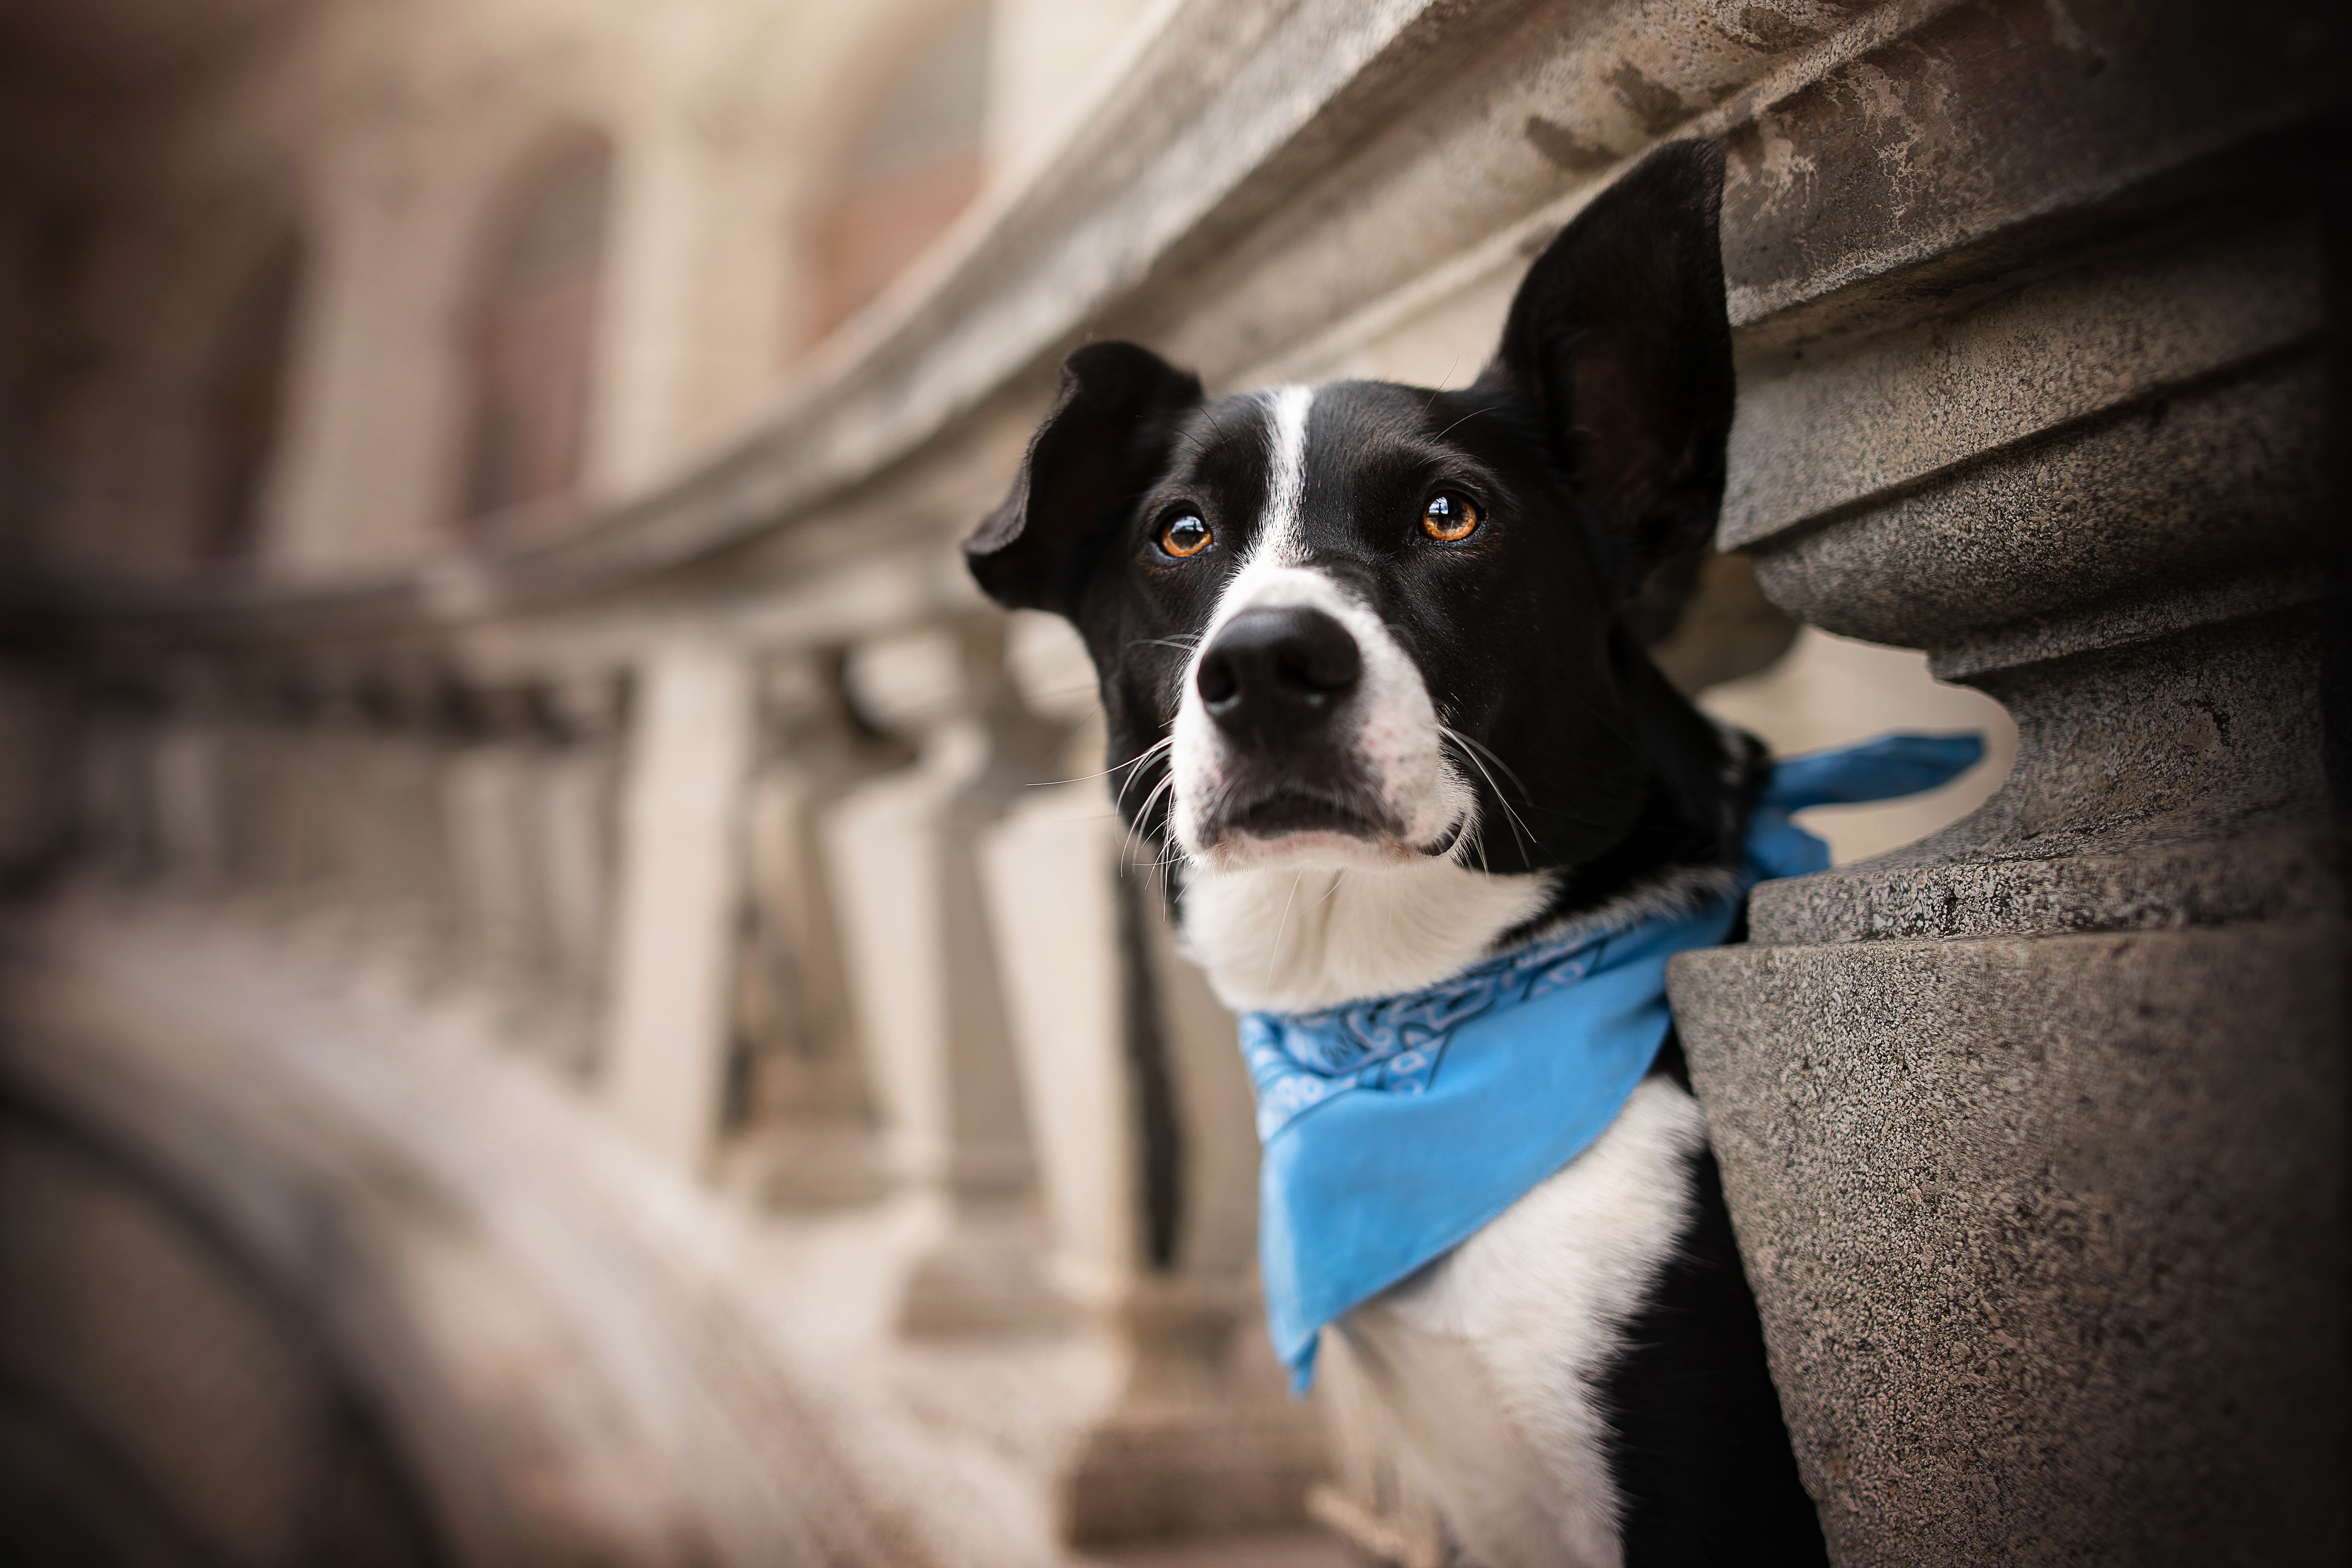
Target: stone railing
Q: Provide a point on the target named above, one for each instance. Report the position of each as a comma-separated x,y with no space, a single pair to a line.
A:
826,927
731,805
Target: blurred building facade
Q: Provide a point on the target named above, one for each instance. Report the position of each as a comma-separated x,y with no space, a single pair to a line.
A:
572,993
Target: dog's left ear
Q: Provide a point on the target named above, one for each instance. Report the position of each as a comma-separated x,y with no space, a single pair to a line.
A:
1619,335
1105,437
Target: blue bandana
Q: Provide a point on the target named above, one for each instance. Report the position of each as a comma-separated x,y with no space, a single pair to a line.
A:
1395,1127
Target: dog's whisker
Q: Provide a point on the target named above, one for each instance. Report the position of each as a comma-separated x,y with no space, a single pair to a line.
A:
1131,761
1473,751
1518,827
1143,815
1273,952
1489,753
1119,802
1157,750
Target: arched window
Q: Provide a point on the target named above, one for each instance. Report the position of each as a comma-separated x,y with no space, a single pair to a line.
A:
532,349
248,405
912,167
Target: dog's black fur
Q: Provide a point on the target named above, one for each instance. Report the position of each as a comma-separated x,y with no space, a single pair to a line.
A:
1699,1450
1593,448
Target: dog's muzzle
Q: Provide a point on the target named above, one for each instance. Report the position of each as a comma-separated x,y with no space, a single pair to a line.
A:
1275,681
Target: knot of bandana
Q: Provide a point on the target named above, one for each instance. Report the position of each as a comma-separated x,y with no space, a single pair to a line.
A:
1394,1128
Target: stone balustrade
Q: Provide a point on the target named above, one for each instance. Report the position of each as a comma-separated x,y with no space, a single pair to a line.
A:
804,923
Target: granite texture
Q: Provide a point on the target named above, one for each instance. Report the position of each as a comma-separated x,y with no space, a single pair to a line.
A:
2171,782
2034,1130
2051,1235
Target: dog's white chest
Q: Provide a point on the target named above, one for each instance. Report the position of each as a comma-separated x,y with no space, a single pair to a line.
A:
1524,1317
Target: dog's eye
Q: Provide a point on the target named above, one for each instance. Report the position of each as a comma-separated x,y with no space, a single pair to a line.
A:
1186,535
1449,516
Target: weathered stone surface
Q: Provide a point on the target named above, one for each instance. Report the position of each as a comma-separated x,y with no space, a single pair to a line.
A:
2167,492
2050,1235
2034,1130
1820,431
2271,878
1985,137
2174,782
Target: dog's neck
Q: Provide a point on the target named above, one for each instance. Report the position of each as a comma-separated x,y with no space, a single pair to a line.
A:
1298,941
1293,940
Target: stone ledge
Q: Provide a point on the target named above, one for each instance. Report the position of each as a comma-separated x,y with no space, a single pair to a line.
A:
2280,878
2172,491
1822,435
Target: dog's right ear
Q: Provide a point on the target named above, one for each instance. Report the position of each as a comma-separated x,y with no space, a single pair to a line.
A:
1108,435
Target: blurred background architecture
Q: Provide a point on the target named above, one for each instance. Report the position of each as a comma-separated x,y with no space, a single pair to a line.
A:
569,993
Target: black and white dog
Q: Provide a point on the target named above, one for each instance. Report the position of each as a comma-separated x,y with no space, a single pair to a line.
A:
1368,681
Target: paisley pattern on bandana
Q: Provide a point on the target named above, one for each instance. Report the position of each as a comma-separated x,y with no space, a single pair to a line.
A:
1393,1044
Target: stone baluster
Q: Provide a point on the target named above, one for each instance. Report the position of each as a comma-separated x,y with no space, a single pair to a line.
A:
118,816
1141,1113
188,806
260,791
489,796
335,790
900,854
401,854
802,1097
35,740
575,822
240,773
668,1021
310,764
2034,1132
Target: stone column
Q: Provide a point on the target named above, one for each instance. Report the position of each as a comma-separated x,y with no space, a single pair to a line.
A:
2034,1132
489,798
36,741
188,783
263,813
805,1098
403,855
689,751
576,789
117,810
1141,1112
334,792
923,975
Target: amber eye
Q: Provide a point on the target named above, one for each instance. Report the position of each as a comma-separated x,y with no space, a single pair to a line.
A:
1449,516
1186,535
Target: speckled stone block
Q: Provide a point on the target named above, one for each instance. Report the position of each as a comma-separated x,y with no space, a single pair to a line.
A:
2051,1233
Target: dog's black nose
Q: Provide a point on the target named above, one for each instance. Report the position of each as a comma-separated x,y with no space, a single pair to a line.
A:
1274,674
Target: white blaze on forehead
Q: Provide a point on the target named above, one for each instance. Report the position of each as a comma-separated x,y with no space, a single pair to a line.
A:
1281,535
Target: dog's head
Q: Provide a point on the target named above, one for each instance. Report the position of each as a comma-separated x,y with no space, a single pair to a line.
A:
1366,624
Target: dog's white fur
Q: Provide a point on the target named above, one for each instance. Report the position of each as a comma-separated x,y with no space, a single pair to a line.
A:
1521,1318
